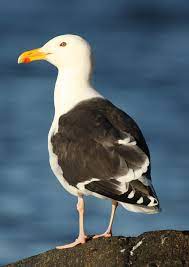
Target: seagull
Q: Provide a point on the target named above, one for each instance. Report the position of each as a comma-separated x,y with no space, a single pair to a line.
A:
94,147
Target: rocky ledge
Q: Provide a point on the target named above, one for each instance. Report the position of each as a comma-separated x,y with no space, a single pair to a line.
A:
158,248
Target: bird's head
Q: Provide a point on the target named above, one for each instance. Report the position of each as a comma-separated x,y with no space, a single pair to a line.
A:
66,52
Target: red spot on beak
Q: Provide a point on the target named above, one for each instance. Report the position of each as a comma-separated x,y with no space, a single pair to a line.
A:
27,60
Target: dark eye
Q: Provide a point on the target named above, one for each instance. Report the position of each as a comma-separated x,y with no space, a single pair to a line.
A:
63,44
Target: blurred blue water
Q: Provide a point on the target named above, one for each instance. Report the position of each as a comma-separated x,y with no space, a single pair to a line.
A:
142,62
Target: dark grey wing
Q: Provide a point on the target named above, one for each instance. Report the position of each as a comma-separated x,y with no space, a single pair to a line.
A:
99,156
125,123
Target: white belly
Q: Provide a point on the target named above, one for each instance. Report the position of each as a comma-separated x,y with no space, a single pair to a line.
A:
53,159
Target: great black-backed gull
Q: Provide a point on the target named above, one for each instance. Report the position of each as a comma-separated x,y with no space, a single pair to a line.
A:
94,147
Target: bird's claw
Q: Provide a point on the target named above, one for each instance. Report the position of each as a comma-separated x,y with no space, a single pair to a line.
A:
78,241
106,235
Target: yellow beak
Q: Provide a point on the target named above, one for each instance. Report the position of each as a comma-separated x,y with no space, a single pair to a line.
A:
31,55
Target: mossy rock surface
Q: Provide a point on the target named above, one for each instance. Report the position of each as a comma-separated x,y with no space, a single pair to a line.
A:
152,249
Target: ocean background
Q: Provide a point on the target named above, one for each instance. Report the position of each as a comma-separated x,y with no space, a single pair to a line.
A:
141,51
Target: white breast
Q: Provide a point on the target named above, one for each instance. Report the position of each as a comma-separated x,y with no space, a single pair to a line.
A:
69,91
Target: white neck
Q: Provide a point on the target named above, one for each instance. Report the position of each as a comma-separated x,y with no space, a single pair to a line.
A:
71,88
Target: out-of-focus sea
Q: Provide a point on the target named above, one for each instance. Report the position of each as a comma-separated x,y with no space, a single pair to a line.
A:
141,63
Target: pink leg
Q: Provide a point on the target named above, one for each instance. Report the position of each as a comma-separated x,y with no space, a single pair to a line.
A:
82,237
108,232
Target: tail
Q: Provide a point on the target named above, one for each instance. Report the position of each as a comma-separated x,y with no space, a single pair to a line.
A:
143,196
140,208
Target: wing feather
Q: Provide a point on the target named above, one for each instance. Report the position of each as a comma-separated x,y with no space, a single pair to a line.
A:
101,149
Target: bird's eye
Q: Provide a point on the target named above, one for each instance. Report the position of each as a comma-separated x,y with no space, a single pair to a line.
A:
63,44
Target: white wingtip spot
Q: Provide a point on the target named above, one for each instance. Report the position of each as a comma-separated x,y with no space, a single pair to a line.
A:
153,202
131,195
140,201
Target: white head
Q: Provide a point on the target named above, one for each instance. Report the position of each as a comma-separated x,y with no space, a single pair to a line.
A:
70,53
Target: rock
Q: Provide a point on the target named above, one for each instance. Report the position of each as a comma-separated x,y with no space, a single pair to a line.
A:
151,249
